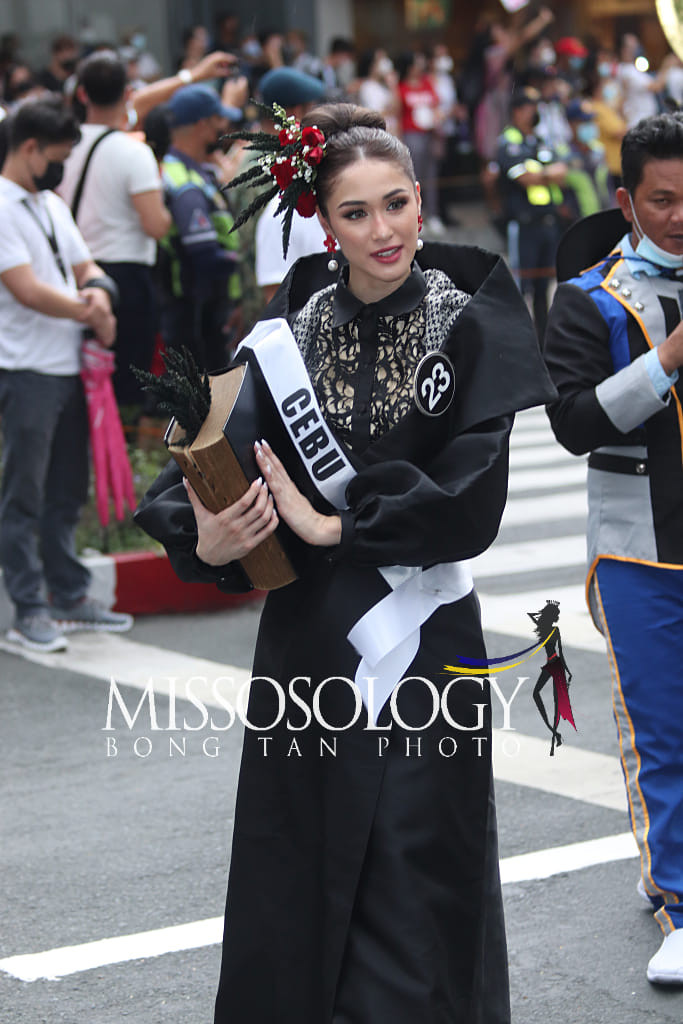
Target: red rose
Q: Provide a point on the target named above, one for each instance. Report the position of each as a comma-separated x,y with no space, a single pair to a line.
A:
283,173
312,137
285,137
314,156
306,204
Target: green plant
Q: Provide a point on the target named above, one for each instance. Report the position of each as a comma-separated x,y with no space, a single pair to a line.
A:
125,535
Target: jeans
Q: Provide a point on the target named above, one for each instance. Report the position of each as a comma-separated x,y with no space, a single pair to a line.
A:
44,487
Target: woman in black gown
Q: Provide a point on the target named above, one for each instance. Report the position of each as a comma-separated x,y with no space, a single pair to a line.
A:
364,883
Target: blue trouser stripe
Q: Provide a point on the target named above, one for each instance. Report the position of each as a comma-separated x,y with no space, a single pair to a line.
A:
642,608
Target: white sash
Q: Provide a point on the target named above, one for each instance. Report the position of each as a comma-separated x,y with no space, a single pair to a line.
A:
387,637
286,376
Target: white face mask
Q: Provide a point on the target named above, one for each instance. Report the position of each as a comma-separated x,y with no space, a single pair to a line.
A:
650,251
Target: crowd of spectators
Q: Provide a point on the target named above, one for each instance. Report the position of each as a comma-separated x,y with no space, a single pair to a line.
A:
458,123
116,216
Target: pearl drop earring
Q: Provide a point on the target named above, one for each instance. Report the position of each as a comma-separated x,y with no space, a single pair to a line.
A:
331,246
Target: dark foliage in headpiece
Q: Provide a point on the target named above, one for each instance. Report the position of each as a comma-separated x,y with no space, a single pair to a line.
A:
182,391
287,166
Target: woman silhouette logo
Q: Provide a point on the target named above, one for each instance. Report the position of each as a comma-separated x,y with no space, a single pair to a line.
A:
555,668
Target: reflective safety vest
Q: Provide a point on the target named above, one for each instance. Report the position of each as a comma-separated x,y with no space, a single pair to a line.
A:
537,195
177,264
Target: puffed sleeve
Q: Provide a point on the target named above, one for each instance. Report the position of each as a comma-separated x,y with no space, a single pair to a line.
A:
400,514
577,354
166,514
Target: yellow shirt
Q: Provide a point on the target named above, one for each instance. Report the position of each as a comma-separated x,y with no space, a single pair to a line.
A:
612,127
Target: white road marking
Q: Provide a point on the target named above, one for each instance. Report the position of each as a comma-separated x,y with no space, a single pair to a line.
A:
551,455
58,963
533,434
529,867
507,614
527,556
110,656
569,504
572,773
536,416
538,479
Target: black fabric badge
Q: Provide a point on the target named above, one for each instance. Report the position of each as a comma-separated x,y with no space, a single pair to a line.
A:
434,384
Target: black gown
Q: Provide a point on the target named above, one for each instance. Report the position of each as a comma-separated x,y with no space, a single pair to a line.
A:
364,884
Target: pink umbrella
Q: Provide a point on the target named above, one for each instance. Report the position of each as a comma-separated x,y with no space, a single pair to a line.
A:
113,475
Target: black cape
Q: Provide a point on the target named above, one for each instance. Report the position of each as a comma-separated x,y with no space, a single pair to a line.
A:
364,884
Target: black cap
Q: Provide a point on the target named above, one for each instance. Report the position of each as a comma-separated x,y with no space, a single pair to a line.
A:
524,97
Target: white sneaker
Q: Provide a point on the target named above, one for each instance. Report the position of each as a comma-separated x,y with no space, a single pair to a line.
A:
666,966
37,633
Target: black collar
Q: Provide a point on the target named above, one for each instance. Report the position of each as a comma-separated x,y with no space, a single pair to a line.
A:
406,298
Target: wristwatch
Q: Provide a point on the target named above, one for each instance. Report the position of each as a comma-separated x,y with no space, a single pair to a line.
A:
185,76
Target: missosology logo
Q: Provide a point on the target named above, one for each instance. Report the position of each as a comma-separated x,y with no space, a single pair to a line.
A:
556,668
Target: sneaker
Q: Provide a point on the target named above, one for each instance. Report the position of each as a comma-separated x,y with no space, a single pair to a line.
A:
37,633
90,614
666,966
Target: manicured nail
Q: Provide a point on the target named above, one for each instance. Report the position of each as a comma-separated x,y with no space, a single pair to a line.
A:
259,482
265,443
257,446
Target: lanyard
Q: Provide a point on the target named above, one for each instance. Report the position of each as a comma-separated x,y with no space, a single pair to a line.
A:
50,236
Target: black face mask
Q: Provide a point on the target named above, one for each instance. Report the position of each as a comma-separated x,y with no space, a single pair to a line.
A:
217,144
52,177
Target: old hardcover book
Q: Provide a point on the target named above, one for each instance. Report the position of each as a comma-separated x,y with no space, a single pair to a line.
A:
220,465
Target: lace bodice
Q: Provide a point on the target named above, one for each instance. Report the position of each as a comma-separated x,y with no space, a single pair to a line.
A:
362,361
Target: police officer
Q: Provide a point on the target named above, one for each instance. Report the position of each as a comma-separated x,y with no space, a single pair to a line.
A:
199,254
531,177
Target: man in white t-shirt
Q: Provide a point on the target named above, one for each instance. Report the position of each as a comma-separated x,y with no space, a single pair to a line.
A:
121,211
307,237
50,288
638,87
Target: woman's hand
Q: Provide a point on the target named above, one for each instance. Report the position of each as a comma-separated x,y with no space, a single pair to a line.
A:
236,530
292,506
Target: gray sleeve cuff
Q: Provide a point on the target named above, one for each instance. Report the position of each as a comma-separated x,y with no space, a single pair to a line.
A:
629,396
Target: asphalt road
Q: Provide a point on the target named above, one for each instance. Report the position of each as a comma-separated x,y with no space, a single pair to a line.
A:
96,846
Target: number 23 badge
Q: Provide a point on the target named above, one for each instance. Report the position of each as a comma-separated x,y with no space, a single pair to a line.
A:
434,385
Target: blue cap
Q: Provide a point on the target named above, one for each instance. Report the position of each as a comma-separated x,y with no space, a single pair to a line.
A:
290,87
579,110
191,103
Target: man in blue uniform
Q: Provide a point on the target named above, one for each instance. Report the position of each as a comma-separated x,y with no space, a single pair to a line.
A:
531,177
614,346
199,254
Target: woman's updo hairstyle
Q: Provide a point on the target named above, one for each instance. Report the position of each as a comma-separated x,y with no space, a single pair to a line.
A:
353,133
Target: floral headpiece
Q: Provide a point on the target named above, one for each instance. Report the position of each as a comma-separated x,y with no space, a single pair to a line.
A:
288,166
